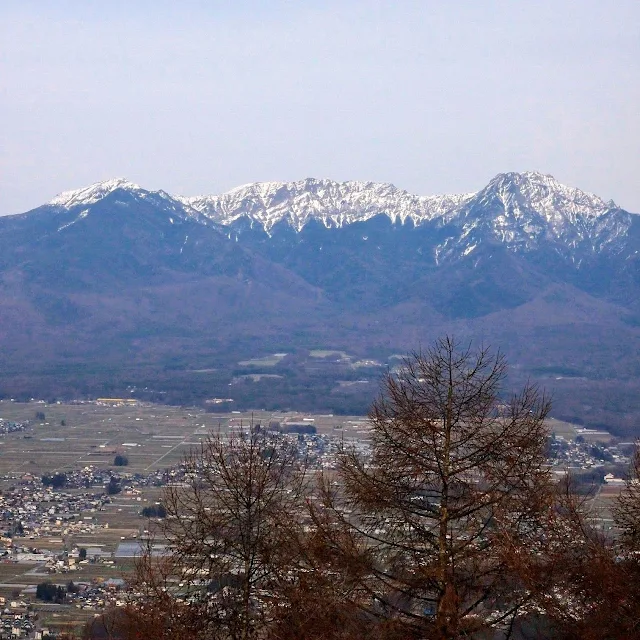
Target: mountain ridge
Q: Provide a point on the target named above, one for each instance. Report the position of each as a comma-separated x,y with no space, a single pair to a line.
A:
519,210
114,278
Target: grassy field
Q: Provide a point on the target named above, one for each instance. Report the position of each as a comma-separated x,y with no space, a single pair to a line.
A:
256,377
266,361
328,353
571,431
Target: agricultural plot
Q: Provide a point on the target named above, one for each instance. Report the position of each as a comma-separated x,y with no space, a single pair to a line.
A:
151,437
266,361
74,436
328,353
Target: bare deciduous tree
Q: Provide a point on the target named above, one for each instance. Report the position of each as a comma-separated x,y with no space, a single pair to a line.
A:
584,577
627,509
232,531
453,467
596,573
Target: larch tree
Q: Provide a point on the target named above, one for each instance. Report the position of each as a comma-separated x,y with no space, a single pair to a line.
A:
232,533
627,509
454,470
592,573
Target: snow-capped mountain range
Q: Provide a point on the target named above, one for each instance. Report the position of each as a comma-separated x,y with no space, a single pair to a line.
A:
334,203
115,275
519,210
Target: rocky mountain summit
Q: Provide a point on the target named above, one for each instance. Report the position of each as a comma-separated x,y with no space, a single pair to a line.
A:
335,204
524,209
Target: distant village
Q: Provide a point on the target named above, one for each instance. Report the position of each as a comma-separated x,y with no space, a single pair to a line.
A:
39,516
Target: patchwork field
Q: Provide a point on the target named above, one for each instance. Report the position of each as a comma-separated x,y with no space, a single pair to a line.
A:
152,437
70,437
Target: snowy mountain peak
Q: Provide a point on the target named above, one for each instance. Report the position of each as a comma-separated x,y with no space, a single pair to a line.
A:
546,195
333,203
519,210
93,193
79,202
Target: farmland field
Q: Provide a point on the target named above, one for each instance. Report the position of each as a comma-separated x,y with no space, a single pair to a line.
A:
152,437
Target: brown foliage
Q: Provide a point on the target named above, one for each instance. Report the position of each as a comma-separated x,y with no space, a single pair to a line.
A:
451,528
452,469
585,580
232,534
627,510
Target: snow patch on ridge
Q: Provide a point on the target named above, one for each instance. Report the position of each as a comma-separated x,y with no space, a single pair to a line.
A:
92,193
81,215
335,204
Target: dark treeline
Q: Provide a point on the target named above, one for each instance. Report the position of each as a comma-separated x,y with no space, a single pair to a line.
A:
304,383
57,481
297,389
449,526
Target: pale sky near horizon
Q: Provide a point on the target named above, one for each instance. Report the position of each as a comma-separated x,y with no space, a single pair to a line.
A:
198,97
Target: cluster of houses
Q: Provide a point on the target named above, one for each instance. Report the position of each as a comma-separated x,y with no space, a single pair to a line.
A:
18,620
21,618
9,426
33,511
581,454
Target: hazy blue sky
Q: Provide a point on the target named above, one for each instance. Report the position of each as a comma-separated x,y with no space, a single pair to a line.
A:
199,97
